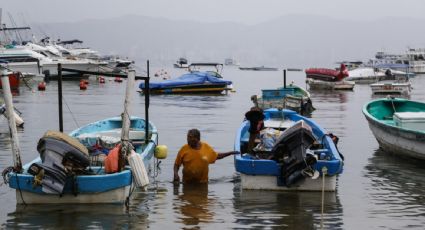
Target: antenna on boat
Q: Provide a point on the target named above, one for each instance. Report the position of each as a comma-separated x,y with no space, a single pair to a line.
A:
284,78
60,97
7,94
147,101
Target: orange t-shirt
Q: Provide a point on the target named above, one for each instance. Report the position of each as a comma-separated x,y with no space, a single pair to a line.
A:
195,162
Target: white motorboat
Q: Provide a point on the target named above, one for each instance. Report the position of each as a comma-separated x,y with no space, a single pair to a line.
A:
367,75
400,86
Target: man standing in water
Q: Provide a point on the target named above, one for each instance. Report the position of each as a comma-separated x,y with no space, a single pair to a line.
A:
195,157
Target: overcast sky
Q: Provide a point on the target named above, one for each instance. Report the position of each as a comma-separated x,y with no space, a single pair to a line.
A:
242,11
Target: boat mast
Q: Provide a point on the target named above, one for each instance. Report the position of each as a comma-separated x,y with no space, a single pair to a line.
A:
7,94
125,145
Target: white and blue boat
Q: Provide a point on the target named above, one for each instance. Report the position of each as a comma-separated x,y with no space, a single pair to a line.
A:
64,173
54,184
301,152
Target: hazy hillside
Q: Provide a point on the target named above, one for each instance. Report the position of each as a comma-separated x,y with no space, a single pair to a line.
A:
292,40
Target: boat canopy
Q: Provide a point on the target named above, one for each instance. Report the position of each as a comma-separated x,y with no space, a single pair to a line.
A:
194,78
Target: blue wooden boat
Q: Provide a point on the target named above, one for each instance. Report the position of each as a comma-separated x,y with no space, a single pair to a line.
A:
94,187
300,153
64,173
398,125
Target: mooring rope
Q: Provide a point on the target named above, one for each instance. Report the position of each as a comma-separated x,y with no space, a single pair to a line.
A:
324,171
72,114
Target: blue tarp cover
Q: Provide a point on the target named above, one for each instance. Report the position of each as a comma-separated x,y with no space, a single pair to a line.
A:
194,78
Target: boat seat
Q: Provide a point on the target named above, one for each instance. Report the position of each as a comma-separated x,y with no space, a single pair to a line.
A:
110,138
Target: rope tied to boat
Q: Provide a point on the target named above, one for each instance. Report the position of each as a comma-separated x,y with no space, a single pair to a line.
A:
324,172
5,173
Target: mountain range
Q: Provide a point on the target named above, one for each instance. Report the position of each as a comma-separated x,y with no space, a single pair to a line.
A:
288,41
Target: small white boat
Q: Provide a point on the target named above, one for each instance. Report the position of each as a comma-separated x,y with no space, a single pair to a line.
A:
368,75
401,86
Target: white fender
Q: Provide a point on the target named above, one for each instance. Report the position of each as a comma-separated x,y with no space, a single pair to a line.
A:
138,169
18,119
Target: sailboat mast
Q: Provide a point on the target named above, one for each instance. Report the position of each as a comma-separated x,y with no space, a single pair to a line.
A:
7,94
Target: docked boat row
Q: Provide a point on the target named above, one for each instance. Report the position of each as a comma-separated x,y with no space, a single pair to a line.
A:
41,57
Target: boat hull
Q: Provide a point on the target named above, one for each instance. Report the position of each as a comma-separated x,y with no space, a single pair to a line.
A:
335,85
116,196
391,88
397,141
270,183
191,89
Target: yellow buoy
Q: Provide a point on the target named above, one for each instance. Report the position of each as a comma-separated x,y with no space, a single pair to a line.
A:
161,151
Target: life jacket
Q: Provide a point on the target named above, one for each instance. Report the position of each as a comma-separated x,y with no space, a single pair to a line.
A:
111,161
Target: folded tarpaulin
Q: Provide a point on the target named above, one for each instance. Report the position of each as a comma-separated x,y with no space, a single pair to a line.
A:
193,78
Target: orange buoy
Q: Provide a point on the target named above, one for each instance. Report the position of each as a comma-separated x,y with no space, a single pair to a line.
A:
118,79
42,86
83,85
101,80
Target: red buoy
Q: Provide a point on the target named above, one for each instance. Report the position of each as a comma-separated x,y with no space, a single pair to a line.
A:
42,86
118,79
101,80
83,85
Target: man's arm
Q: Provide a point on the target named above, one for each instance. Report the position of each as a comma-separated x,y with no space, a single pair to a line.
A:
223,155
176,173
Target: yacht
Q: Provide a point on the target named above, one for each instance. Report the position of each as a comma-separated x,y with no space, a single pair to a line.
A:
35,59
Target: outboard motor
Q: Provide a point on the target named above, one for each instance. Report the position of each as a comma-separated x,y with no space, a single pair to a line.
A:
290,151
62,157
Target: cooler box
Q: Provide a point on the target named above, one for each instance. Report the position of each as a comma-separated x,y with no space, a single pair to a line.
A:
410,120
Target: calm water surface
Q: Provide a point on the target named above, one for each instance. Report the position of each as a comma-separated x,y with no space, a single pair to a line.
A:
376,191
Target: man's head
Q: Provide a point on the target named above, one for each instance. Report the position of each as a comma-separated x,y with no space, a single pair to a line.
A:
193,138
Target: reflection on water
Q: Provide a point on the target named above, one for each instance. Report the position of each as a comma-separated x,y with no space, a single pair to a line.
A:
192,204
71,217
291,210
397,190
